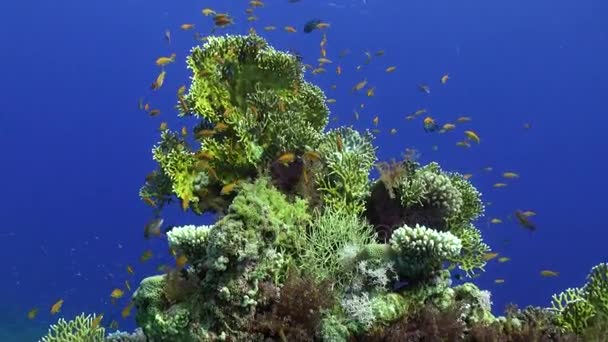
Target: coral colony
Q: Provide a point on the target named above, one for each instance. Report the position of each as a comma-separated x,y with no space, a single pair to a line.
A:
306,247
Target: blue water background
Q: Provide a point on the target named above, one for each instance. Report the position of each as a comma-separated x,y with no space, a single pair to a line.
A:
75,148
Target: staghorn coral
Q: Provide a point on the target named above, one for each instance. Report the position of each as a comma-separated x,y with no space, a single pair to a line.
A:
81,328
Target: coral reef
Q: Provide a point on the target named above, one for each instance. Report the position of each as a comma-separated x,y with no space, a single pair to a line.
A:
306,247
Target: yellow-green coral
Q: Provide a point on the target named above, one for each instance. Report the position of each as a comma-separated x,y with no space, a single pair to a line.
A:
348,158
330,232
81,328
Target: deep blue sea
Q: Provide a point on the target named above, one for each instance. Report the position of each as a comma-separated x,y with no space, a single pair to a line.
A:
75,148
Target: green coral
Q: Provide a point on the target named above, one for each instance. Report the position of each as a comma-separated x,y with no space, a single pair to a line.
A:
428,186
81,328
475,303
177,162
348,157
260,93
471,257
421,250
580,309
329,234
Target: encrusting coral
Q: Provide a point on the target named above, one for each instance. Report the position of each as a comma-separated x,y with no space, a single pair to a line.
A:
306,246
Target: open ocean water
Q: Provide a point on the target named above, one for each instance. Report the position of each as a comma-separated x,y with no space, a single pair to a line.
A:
531,75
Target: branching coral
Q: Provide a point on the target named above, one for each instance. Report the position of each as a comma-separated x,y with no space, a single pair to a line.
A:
471,258
420,250
329,234
81,328
189,240
348,158
581,309
260,95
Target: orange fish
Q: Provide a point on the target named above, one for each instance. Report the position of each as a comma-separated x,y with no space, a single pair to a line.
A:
96,321
145,256
286,158
130,269
290,29
187,27
32,313
228,188
181,261
126,312
338,70
56,307
117,293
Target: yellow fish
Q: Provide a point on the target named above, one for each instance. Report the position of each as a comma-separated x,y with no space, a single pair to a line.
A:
181,261
528,213
420,112
321,26
489,256
318,71
130,269
496,221
463,144
160,79
117,293
510,175
146,255
311,155
126,312
503,259
375,121
391,69
56,307
207,12
286,158
472,136
32,313
96,321
371,91
549,273
360,85
324,60
499,185
187,27
181,90
464,119
228,188
162,61
448,127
